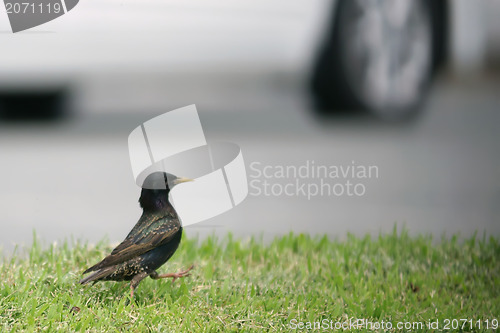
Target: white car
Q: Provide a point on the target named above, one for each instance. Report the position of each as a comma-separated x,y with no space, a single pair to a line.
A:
378,55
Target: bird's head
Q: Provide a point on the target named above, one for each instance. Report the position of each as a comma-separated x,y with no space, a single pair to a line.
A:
156,187
162,181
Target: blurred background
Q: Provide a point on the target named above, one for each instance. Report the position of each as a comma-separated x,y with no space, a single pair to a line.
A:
409,86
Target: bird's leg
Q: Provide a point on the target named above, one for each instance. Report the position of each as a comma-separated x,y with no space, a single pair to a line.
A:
174,276
135,282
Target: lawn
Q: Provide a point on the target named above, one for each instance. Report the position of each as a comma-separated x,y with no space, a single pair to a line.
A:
294,283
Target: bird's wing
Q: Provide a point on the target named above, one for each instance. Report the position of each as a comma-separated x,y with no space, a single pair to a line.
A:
145,236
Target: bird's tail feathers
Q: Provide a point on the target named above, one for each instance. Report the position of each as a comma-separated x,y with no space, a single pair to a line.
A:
93,268
98,275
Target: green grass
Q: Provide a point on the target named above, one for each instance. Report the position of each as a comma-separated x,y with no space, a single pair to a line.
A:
251,286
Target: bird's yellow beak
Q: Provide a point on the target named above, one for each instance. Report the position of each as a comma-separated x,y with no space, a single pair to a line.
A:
182,180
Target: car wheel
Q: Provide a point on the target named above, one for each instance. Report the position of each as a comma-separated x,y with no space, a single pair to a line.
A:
33,105
377,57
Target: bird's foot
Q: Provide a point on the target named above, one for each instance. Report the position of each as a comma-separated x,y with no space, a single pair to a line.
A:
174,276
135,282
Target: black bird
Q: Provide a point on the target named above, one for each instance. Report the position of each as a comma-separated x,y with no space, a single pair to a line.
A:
152,241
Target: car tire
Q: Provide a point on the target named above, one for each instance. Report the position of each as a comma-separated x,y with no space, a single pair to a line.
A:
33,105
378,56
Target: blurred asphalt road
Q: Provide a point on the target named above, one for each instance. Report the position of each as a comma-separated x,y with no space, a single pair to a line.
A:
438,174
